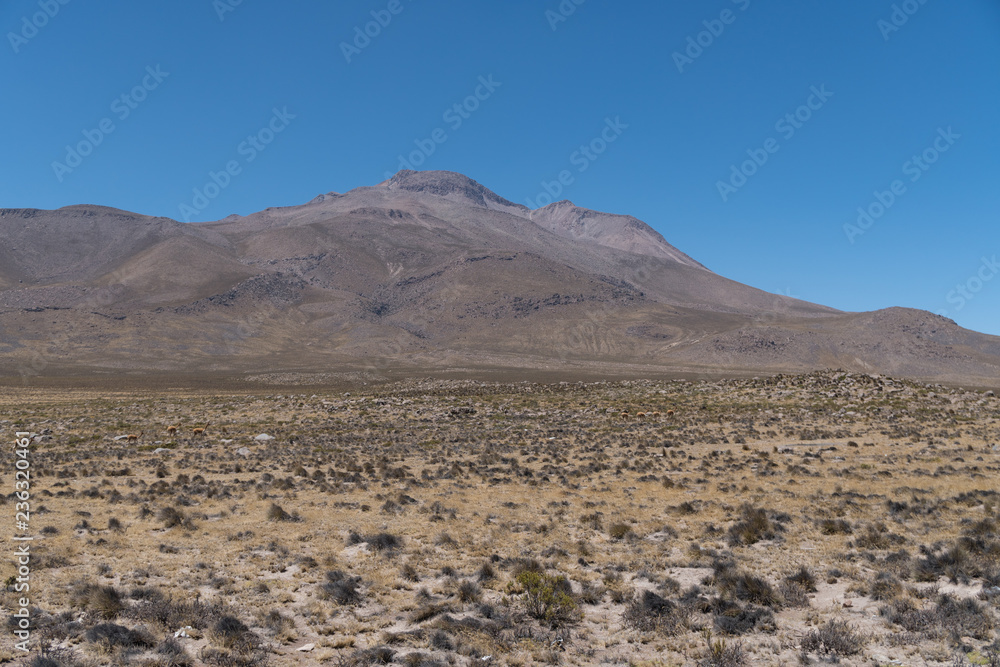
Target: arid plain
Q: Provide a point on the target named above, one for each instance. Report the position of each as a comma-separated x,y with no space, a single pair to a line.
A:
794,519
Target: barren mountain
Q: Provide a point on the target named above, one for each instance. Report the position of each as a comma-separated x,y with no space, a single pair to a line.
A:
428,272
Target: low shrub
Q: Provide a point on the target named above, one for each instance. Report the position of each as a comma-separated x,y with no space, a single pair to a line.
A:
547,598
105,601
469,591
722,654
618,531
804,578
836,638
229,631
793,594
111,636
747,587
276,513
341,588
376,542
885,587
963,617
835,527
755,524
738,620
650,612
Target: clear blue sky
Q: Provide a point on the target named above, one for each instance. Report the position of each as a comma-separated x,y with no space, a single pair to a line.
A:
782,230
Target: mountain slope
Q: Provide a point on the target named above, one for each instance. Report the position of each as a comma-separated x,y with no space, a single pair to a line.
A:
425,272
614,231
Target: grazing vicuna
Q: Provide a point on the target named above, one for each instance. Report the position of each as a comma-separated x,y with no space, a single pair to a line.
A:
171,430
201,429
132,437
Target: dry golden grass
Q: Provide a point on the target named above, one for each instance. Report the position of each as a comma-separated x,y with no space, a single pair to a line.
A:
393,524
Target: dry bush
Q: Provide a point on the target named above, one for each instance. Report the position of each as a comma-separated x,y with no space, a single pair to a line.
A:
276,513
486,572
409,573
722,654
171,653
110,636
885,586
275,622
835,527
804,578
649,612
377,542
903,611
231,633
755,524
104,601
378,655
591,593
341,588
963,617
793,594
469,591
747,587
171,516
227,658
974,555
877,536
171,614
49,656
619,530
733,618
836,638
